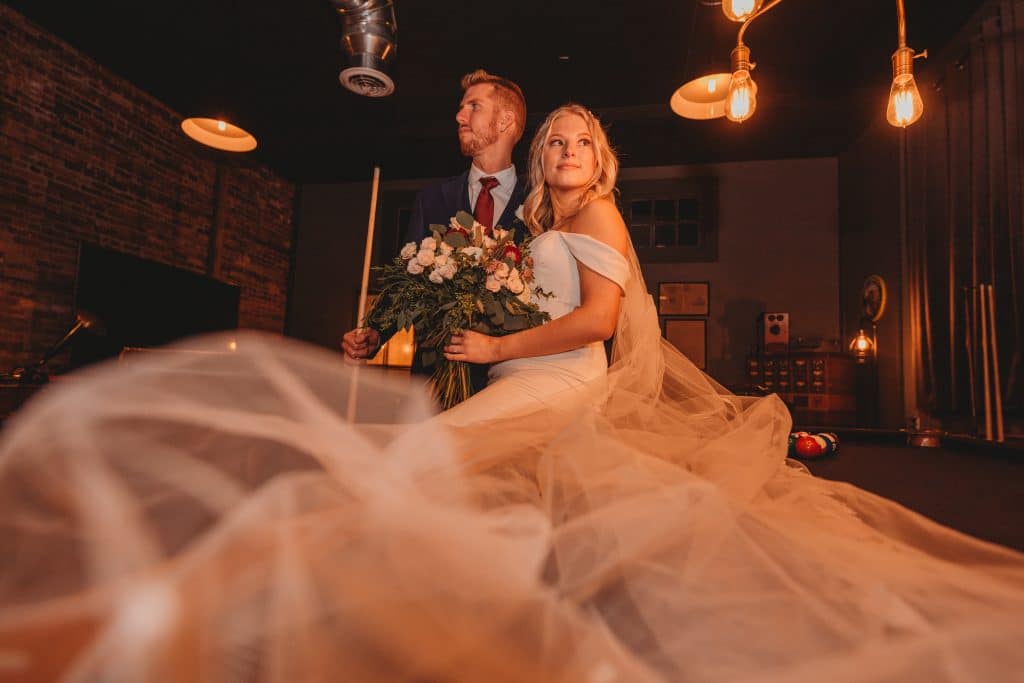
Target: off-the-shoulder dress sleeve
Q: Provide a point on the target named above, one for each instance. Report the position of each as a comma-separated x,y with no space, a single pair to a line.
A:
599,257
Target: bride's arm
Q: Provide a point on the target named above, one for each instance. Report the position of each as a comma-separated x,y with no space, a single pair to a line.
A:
594,320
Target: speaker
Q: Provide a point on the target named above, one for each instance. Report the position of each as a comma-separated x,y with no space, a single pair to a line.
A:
774,332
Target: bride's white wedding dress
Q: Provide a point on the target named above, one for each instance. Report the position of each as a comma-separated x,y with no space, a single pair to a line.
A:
523,385
217,516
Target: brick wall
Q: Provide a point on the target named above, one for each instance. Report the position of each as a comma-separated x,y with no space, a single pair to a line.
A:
87,156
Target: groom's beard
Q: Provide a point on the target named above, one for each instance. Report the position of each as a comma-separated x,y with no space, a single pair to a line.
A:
480,141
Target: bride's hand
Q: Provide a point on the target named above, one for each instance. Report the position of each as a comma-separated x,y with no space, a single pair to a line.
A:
473,347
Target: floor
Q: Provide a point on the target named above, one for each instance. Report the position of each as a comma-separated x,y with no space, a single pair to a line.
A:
976,489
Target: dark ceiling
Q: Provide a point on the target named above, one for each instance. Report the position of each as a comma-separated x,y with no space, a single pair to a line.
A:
823,72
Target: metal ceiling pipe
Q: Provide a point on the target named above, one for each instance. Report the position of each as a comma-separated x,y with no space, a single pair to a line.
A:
368,39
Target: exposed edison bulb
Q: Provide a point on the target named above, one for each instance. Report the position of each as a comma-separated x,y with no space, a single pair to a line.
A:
740,10
905,105
862,346
742,98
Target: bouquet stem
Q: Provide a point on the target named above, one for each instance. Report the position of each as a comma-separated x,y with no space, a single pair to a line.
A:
451,383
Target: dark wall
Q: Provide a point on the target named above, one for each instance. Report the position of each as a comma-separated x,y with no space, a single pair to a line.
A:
85,155
329,252
869,243
777,251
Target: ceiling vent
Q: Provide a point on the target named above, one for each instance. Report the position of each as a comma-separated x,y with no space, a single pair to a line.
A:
368,39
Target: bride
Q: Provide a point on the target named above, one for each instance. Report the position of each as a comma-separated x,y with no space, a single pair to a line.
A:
257,511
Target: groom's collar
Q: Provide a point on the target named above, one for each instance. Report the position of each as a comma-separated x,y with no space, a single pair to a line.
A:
506,177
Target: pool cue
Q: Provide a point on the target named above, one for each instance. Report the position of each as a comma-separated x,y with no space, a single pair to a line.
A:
997,394
986,387
969,347
353,387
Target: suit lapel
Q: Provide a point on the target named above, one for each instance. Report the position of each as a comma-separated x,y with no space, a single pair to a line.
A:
508,216
515,201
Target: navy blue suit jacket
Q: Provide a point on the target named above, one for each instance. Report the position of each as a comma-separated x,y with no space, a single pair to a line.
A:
437,204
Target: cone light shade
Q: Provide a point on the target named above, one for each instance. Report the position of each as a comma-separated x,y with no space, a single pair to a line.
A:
219,134
702,98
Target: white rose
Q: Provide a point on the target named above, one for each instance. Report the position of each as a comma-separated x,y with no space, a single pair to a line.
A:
502,270
524,295
428,243
446,248
489,243
408,251
436,277
440,259
472,252
448,270
414,267
515,283
492,284
425,257
519,213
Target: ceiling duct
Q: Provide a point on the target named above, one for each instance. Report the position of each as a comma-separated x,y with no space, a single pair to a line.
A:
368,38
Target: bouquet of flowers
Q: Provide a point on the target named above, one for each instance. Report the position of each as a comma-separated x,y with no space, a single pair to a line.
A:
464,276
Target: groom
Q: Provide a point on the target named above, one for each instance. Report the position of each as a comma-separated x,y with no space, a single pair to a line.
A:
491,120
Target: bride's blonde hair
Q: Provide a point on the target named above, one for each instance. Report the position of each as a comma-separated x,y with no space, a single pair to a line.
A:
538,213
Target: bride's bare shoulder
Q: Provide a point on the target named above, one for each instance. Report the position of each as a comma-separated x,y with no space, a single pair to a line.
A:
601,220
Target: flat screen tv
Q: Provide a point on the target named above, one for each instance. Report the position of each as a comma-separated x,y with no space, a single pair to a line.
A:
142,303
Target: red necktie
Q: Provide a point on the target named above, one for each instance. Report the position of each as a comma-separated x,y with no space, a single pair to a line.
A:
483,212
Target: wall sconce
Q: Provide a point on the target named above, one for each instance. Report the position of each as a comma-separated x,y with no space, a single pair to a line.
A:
873,298
864,346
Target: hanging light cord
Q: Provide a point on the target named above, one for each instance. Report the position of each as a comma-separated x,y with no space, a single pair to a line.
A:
901,23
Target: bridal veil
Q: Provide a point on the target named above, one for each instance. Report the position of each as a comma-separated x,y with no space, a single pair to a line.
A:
263,512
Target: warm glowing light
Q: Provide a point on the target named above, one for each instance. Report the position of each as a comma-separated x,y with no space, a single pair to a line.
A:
862,346
219,134
232,345
742,98
701,98
740,10
905,105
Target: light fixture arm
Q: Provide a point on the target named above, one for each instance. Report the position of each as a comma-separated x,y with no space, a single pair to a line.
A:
755,15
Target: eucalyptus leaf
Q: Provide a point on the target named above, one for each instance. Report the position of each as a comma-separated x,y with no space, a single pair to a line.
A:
456,240
464,219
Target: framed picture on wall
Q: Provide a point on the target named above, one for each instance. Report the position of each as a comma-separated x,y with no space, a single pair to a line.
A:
684,298
690,336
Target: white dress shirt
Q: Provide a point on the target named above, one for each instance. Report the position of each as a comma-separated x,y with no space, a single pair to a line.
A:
501,193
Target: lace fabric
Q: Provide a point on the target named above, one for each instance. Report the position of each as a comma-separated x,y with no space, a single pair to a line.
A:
216,516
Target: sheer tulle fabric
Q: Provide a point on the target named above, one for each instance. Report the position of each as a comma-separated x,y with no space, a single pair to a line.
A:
216,516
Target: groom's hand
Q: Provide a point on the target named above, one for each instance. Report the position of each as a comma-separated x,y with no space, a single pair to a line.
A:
360,343
473,347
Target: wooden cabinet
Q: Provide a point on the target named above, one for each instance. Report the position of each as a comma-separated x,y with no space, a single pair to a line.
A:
818,387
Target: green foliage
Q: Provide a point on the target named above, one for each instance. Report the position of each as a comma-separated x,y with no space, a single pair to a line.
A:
451,295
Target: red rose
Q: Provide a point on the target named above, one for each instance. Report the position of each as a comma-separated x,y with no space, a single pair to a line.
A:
512,251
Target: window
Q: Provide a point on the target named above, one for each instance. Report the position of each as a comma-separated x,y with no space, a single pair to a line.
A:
672,220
